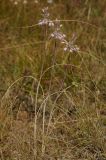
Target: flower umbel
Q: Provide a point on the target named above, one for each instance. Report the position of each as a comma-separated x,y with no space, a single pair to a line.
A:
70,46
45,20
57,33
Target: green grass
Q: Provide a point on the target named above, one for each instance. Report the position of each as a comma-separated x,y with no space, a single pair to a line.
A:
53,103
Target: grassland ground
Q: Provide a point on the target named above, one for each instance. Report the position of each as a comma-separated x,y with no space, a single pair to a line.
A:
52,102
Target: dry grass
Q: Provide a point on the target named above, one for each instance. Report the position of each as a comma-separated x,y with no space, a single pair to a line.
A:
53,104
